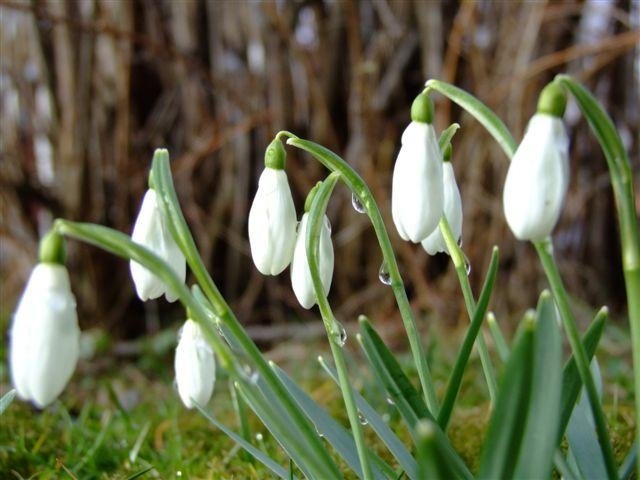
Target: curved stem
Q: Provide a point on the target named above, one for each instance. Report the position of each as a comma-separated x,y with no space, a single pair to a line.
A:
332,326
459,262
359,188
179,229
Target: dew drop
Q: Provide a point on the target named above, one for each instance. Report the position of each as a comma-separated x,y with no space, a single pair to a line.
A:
390,401
179,473
320,434
362,419
467,264
383,274
339,334
259,437
357,204
460,242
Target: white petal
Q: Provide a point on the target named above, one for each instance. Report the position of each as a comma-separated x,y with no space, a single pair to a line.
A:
195,366
417,194
272,223
537,179
301,281
45,336
435,243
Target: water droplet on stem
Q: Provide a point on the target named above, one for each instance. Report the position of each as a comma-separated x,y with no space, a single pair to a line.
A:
339,334
383,274
357,204
363,420
467,264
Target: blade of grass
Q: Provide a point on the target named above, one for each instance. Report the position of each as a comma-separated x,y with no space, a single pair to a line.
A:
538,442
502,443
6,400
259,455
393,443
498,337
455,379
243,418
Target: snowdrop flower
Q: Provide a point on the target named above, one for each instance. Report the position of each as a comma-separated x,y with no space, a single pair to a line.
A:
195,366
435,243
45,337
538,176
417,194
272,218
151,232
300,273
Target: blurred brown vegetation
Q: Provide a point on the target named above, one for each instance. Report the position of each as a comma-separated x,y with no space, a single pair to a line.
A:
89,89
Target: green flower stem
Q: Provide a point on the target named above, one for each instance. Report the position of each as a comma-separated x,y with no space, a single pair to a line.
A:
333,327
622,182
121,245
545,250
459,262
503,137
177,224
359,188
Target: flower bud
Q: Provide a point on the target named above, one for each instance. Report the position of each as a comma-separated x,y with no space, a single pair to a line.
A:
150,231
435,243
417,194
537,179
45,337
301,274
195,366
272,223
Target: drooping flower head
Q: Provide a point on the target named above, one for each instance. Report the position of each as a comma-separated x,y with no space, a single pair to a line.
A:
151,231
272,218
538,176
194,365
435,243
417,194
45,337
301,281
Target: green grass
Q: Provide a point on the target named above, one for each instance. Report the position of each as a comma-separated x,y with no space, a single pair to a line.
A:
122,417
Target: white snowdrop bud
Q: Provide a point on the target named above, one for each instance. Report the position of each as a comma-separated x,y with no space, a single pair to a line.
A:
150,230
301,274
45,337
538,176
272,218
435,243
195,366
417,195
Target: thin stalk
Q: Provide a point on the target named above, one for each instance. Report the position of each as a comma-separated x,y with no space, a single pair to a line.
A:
544,249
498,337
360,189
332,326
459,262
171,209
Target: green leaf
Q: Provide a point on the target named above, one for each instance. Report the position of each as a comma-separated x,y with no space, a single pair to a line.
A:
480,111
539,439
571,381
498,337
393,443
584,448
629,463
140,473
446,136
6,400
255,452
339,438
506,426
432,459
390,374
453,386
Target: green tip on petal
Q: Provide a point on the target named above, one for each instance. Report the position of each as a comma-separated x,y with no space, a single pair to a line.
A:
422,109
446,154
552,100
310,196
52,248
275,156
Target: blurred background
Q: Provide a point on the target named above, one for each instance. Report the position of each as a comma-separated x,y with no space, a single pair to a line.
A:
89,88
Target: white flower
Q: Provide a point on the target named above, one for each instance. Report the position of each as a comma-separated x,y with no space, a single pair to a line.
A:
300,272
417,192
272,223
45,338
195,366
538,178
435,243
151,232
